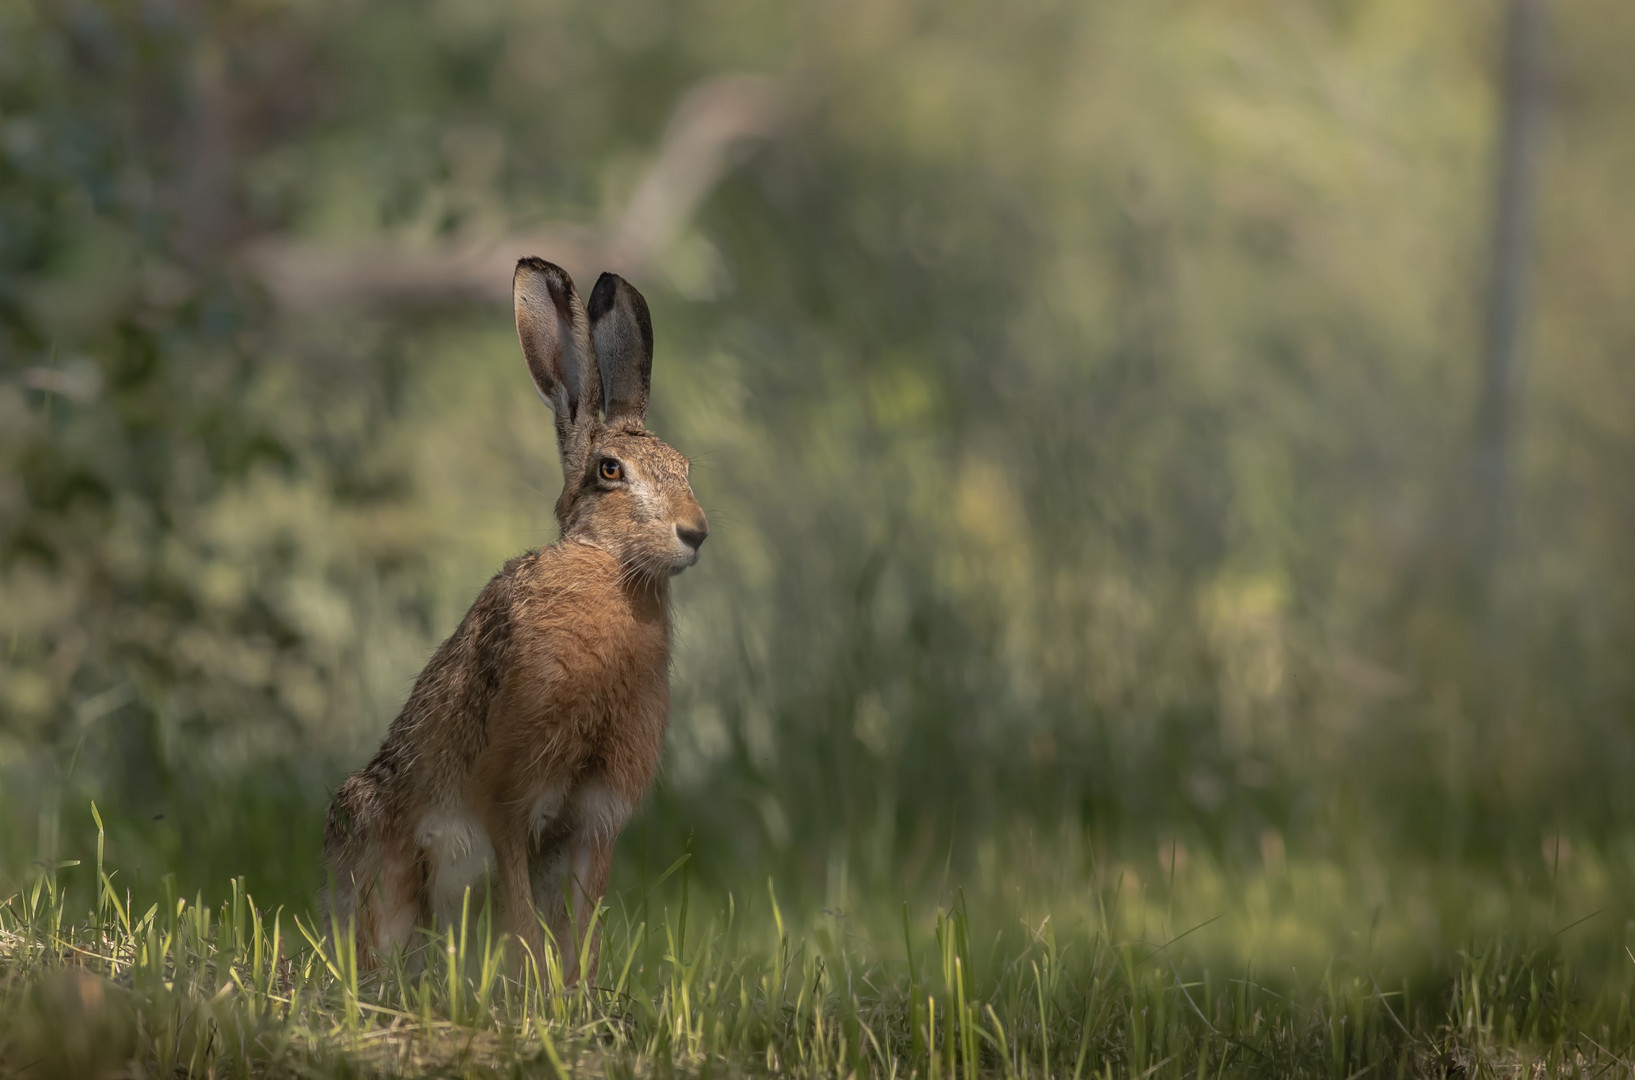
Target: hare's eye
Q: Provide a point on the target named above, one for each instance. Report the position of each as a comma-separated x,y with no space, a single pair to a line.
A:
611,470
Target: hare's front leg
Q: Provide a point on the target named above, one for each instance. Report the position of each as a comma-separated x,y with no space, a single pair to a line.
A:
590,857
600,808
509,837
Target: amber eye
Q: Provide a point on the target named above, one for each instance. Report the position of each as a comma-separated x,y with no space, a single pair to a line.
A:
611,470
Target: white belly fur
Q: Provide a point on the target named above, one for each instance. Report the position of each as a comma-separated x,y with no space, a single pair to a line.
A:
459,853
599,811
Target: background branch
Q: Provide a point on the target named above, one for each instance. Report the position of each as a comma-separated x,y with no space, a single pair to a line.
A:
710,129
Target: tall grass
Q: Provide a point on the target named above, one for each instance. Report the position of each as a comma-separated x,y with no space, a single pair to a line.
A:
1090,973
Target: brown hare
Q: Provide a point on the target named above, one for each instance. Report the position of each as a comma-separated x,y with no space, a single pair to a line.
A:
535,729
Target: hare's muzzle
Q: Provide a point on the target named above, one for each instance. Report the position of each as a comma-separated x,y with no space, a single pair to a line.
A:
690,536
693,535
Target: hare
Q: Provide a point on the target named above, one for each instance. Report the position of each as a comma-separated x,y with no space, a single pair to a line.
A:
536,728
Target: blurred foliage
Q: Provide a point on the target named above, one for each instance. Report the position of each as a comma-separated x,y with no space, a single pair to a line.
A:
1080,394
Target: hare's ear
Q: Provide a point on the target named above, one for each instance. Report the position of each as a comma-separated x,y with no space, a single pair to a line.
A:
623,334
555,337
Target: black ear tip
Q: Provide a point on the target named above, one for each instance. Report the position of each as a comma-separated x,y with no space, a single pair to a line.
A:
604,298
603,295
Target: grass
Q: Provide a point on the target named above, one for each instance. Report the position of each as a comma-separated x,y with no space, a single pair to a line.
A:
1055,967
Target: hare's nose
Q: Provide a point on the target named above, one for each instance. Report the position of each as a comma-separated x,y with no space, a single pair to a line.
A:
693,535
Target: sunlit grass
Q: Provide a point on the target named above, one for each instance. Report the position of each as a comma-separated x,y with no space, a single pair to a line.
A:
1107,976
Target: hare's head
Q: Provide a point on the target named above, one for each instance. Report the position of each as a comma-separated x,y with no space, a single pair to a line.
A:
623,490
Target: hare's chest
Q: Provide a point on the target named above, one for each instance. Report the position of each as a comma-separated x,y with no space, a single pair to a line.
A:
612,670
593,699
623,727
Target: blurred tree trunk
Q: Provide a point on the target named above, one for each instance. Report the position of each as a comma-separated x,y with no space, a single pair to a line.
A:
1515,211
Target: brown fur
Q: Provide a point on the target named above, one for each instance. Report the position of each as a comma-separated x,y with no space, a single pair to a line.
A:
537,726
